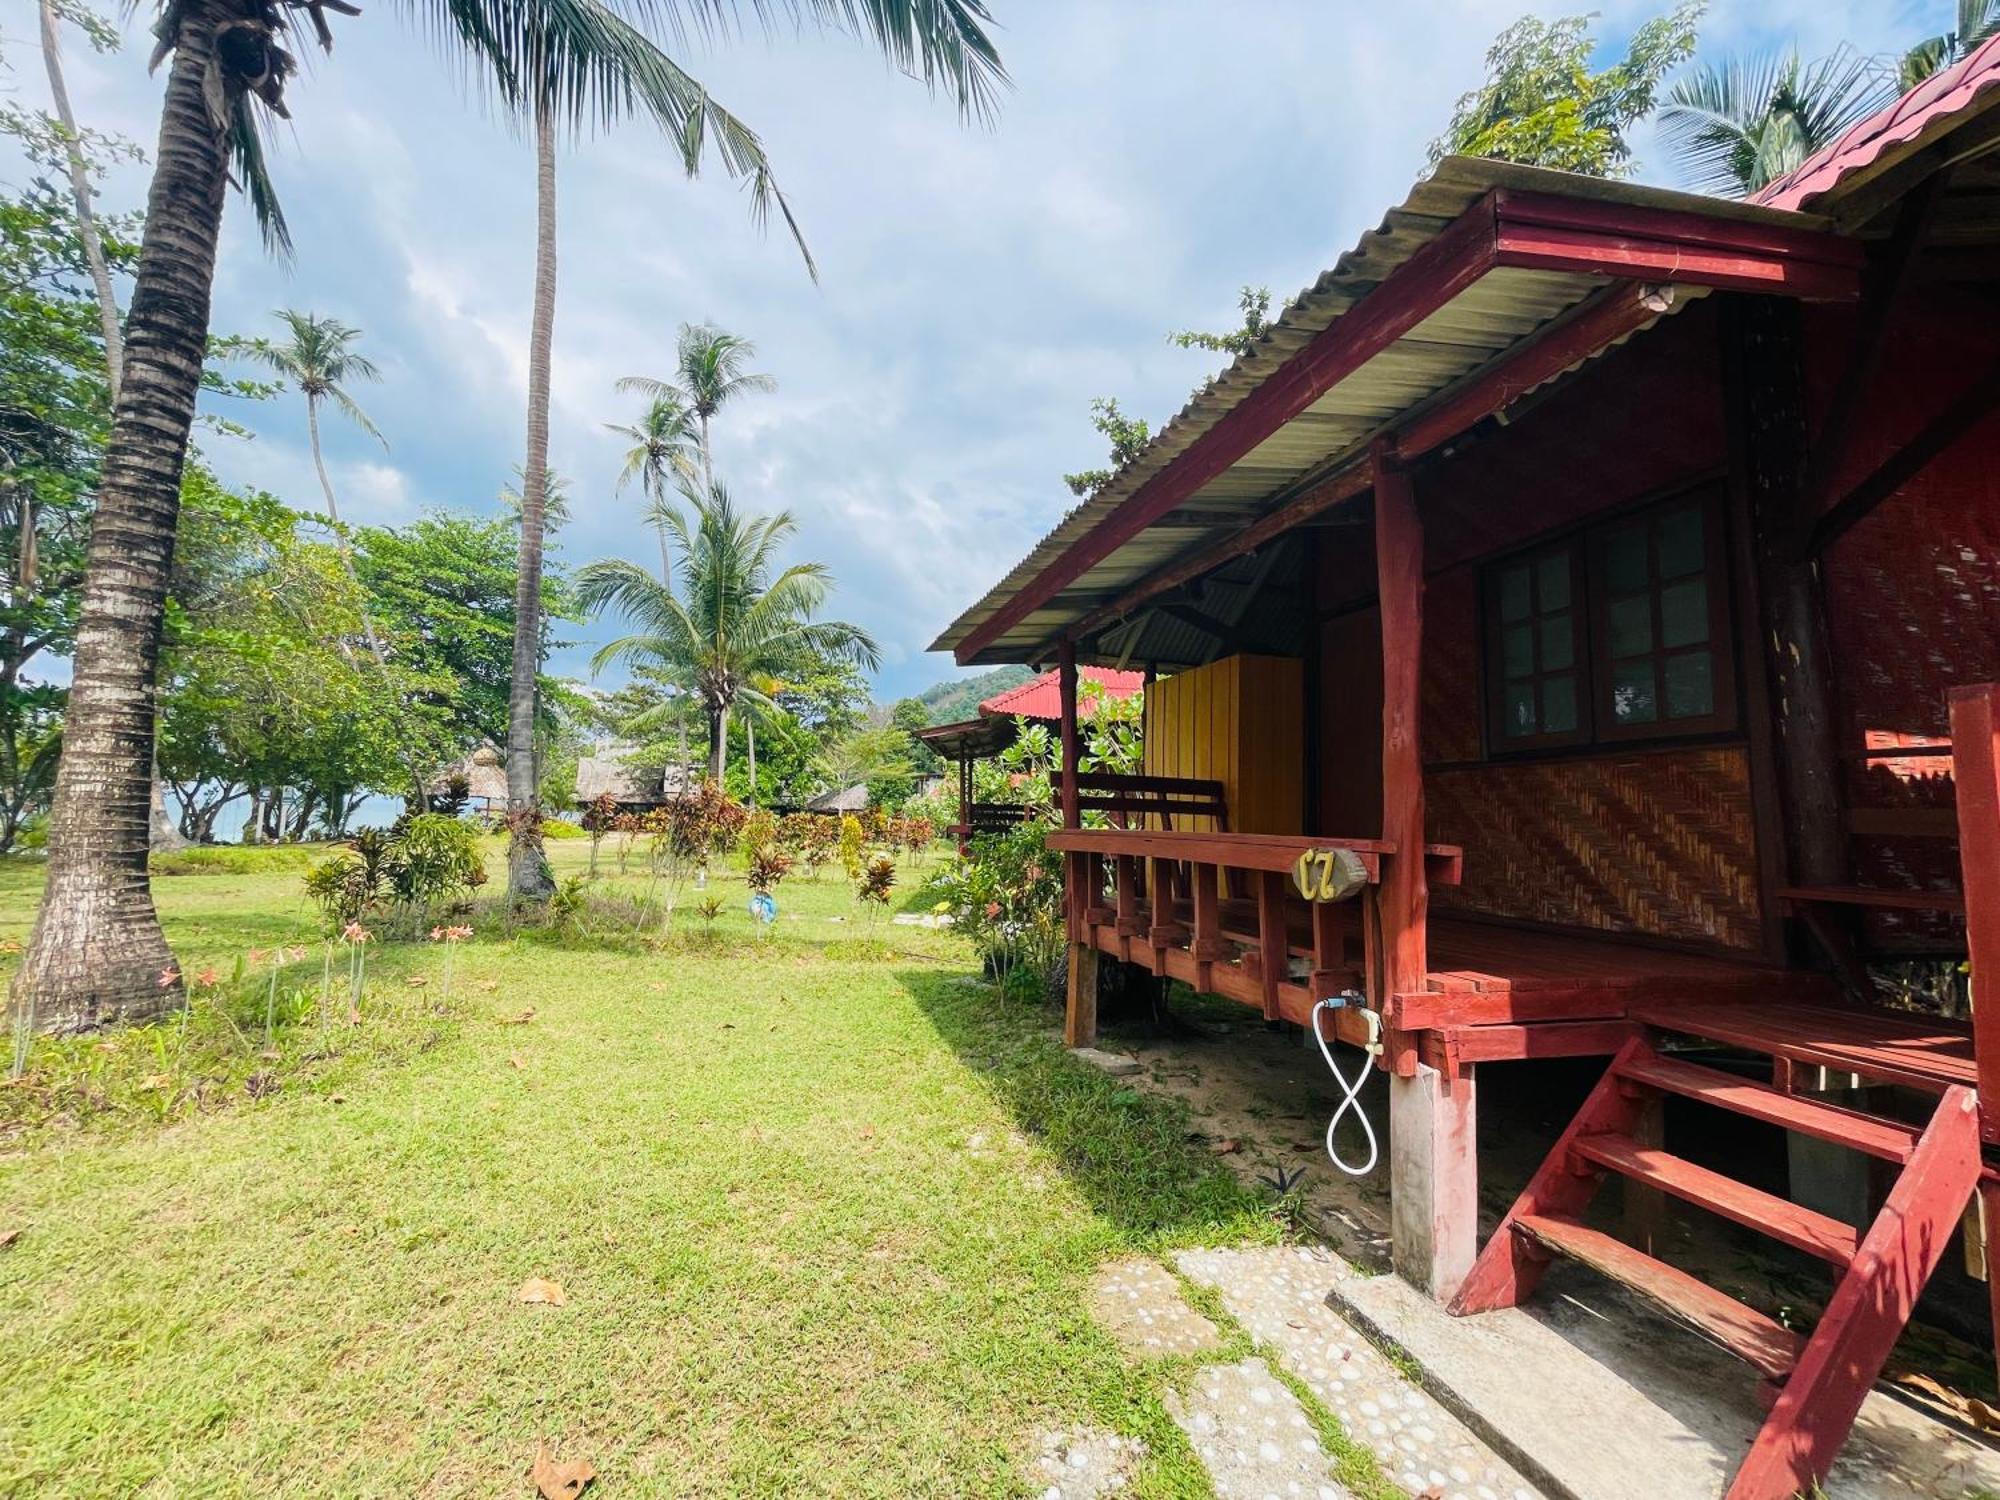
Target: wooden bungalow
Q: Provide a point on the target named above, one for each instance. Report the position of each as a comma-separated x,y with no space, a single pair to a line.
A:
994,726
1605,581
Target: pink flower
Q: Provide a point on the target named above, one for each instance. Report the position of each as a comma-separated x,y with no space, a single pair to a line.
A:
1033,872
207,976
258,955
992,910
169,977
354,932
458,934
437,934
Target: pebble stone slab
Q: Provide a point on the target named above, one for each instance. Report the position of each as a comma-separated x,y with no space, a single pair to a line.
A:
1252,1436
1117,1064
1279,1296
1082,1463
1140,1304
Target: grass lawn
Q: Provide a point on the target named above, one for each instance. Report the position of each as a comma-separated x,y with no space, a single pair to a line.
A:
824,1216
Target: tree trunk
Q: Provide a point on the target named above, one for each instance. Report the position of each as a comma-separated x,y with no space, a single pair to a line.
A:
97,953
165,834
707,467
750,739
718,743
528,877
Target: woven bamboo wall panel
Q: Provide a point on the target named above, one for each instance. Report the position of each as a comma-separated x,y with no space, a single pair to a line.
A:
1452,703
1660,843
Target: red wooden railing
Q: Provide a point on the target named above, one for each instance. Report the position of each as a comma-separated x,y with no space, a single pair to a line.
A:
1222,913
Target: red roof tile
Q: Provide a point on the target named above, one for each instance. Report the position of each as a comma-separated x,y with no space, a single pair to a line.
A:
1042,698
1923,109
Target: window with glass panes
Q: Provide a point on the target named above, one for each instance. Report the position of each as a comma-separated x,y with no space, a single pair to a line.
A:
1619,632
1537,683
1660,638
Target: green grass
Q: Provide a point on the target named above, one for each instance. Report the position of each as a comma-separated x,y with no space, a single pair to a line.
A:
825,1216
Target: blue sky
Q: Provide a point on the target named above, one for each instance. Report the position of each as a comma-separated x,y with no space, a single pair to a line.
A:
978,287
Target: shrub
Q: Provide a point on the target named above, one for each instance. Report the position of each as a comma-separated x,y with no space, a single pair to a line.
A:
878,878
1006,895
850,845
562,828
419,862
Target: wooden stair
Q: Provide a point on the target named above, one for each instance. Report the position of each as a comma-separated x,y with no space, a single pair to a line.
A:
1816,1384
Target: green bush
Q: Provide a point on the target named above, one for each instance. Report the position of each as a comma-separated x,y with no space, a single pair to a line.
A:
557,828
411,867
231,859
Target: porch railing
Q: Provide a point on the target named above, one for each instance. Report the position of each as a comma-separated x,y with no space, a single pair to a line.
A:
1229,913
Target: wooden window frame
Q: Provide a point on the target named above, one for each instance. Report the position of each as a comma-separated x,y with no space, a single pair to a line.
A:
1586,546
1494,629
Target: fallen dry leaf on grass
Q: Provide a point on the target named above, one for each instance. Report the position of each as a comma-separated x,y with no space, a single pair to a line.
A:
1225,1148
519,1062
554,1481
7,1238
416,981
541,1289
521,1020
489,985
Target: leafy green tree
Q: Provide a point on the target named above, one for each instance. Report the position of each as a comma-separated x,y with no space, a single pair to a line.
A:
877,757
97,949
1976,21
1254,302
1128,437
263,692
734,620
1543,106
443,588
909,715
1738,126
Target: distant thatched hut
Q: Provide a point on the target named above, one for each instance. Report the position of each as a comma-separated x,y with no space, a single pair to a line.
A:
483,777
607,771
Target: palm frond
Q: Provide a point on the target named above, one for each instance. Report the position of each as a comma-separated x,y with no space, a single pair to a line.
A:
253,175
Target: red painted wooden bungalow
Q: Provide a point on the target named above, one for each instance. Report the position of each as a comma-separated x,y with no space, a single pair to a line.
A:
1605,578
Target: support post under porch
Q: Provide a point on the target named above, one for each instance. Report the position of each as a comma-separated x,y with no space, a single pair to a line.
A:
1433,1167
1080,1000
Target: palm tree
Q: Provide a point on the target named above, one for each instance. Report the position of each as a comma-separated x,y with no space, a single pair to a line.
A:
1742,125
662,443
711,369
97,952
555,499
1977,20
734,623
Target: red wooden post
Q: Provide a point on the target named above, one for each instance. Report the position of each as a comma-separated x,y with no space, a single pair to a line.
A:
1975,758
1072,816
1399,572
1433,1166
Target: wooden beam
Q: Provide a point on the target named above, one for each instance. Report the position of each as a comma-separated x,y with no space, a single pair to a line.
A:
1888,279
1967,410
1071,750
1765,379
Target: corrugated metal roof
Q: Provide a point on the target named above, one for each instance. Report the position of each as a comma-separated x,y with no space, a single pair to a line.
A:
1042,697
1930,109
1493,314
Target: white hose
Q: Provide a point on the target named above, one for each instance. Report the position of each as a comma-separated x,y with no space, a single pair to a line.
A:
1350,1088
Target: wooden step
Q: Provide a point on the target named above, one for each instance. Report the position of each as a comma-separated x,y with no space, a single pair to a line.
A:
1782,1220
1753,1338
1889,1139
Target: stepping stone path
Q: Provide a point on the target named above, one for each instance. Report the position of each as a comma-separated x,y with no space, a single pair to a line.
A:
1279,1296
1252,1435
1139,1303
1086,1462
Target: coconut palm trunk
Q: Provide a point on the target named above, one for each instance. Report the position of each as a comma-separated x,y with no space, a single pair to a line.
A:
528,877
97,953
165,833
718,743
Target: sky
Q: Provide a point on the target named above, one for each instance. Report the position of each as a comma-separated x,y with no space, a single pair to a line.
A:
978,286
